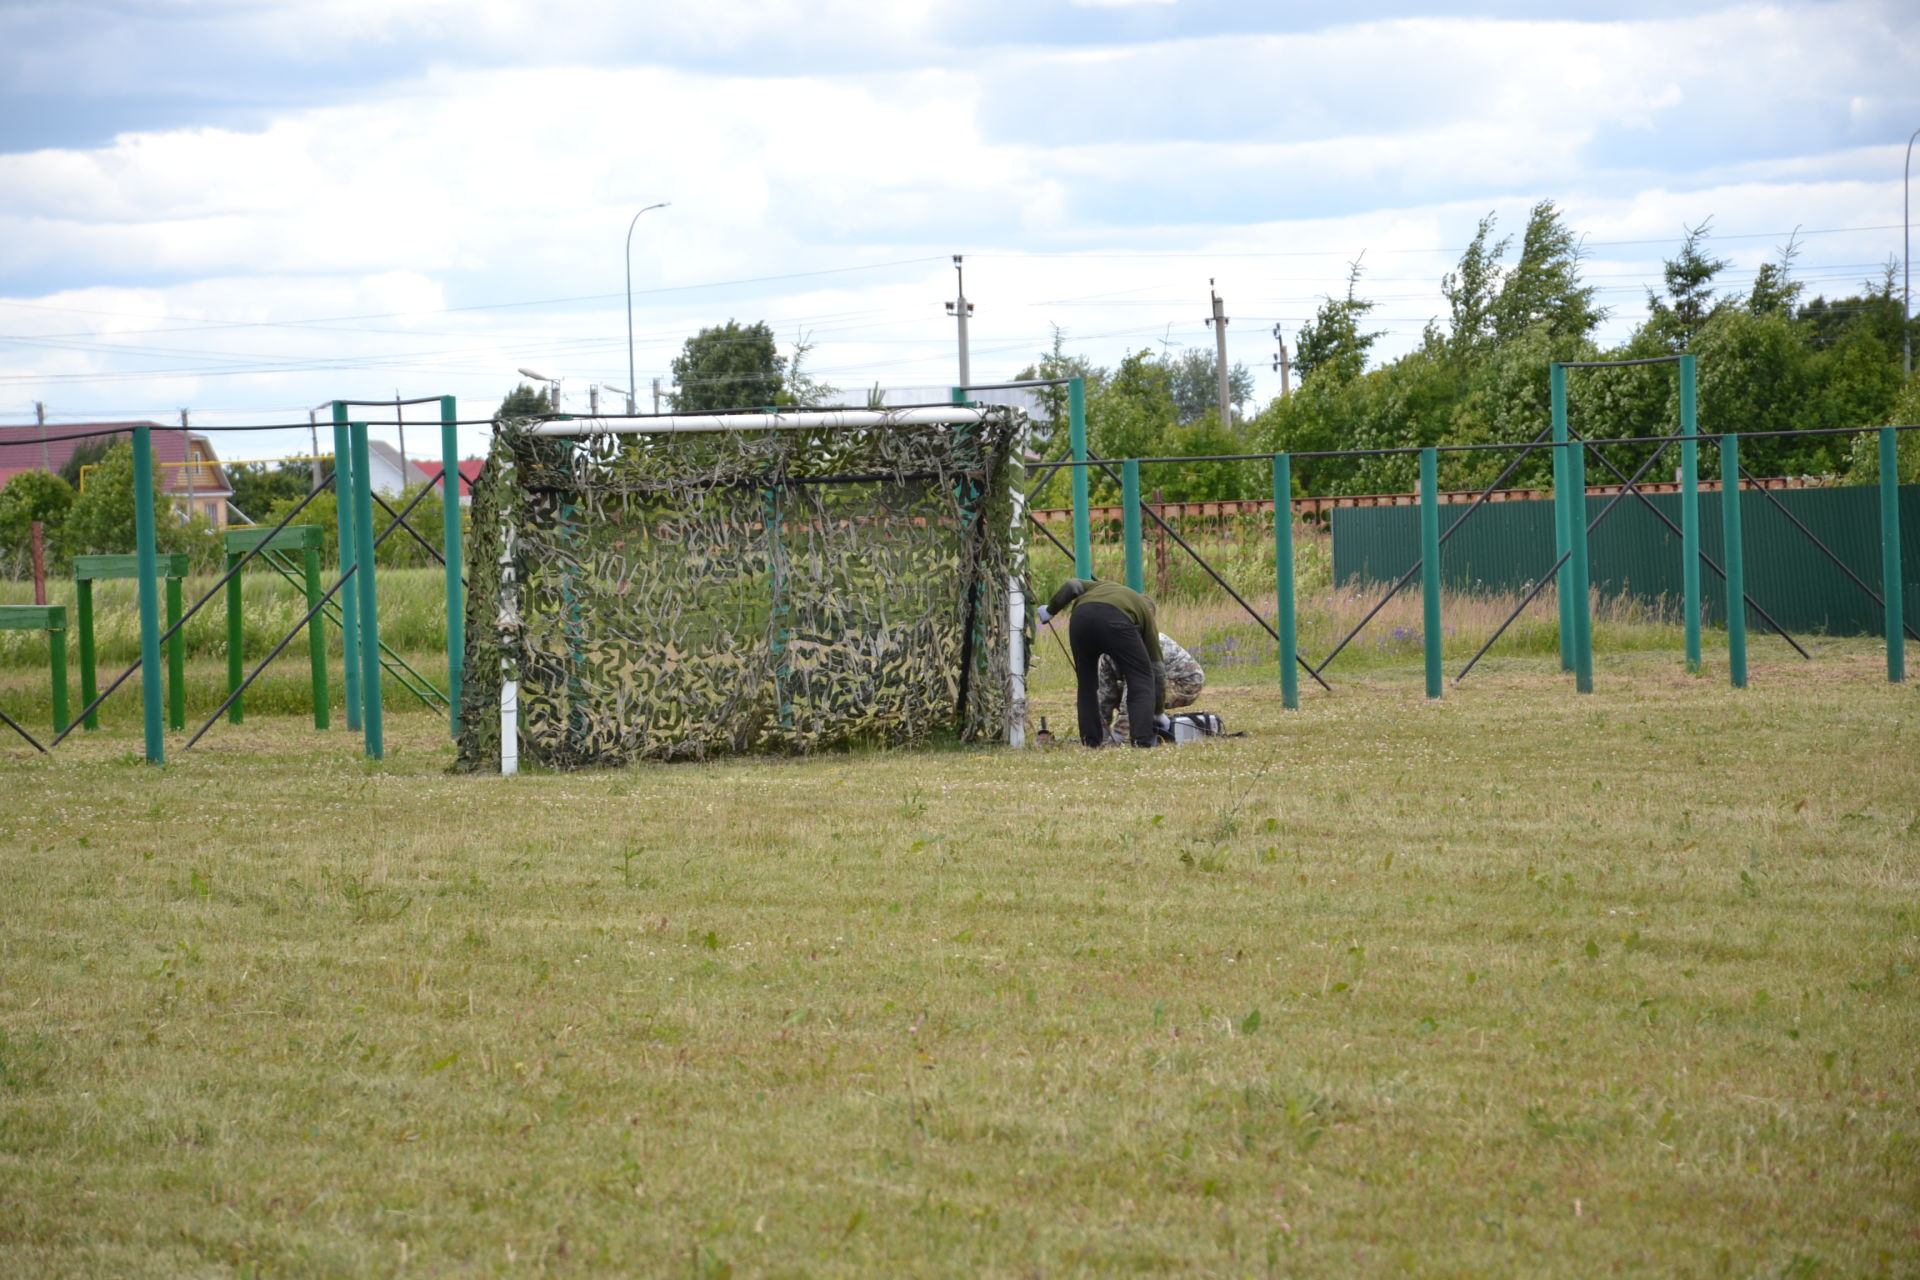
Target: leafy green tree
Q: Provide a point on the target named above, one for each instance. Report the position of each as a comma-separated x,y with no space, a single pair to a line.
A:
101,520
1544,288
258,486
1333,344
802,389
1193,378
31,496
1130,415
87,453
1049,433
521,403
729,366
1690,300
1471,290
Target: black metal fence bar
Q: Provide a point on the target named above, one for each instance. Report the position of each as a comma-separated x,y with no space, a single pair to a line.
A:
1825,550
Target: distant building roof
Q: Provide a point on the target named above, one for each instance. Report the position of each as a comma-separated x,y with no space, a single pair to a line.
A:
469,472
36,448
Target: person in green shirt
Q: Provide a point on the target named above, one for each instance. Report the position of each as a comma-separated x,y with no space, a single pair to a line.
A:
1115,622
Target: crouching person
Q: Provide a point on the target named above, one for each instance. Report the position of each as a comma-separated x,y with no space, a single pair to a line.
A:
1184,680
1112,621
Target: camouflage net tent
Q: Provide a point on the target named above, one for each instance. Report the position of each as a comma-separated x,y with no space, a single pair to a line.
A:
681,587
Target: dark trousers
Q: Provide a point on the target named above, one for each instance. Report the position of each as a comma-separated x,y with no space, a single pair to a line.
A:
1097,629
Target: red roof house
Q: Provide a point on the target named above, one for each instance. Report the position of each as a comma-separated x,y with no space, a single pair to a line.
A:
190,471
469,472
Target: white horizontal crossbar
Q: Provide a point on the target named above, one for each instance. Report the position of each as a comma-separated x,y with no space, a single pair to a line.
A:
666,424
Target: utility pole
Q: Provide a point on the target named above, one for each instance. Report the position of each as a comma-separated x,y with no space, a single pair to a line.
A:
1283,363
313,429
960,310
186,454
593,400
1219,323
400,416
656,395
40,415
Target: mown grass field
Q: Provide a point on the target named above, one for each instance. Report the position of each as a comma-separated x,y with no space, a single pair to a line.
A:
1517,983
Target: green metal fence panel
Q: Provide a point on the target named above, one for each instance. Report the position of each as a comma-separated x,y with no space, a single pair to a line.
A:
1507,545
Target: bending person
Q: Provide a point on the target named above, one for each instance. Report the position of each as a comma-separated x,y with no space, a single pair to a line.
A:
1113,621
1185,680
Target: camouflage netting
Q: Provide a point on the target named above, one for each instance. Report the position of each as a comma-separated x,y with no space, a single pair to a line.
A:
673,596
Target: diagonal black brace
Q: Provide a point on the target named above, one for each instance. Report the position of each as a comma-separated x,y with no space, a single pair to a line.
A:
1554,570
1042,526
1844,567
1673,528
16,726
1409,575
400,519
212,591
1224,584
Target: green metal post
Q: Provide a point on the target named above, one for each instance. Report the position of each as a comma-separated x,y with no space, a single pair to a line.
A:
1430,568
1891,588
1077,438
349,595
1283,580
369,597
1690,513
57,664
1577,592
145,539
83,607
1562,522
316,636
1736,561
236,639
1130,522
450,547
176,660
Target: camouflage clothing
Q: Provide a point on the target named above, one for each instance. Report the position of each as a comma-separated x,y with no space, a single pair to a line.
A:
1185,680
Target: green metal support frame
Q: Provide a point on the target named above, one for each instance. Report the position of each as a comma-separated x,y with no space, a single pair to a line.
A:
1736,560
236,636
1130,523
1431,635
364,574
304,539
1578,592
1563,506
1283,580
146,538
1690,512
52,619
1891,587
1077,441
450,549
343,491
88,570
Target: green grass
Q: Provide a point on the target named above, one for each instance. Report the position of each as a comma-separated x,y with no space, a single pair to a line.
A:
1516,983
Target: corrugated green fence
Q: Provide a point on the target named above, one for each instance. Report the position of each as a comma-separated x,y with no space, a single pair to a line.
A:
1506,546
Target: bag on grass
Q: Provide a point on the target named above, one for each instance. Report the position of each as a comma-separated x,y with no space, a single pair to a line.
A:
1192,726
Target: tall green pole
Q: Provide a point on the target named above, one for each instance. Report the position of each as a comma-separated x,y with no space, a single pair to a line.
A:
1578,594
1283,580
1736,560
236,638
316,636
1562,505
450,547
349,595
369,597
1690,512
1430,567
148,556
1891,588
176,660
1130,522
1077,438
83,607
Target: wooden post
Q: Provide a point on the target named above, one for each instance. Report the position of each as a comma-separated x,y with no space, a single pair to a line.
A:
39,563
1159,549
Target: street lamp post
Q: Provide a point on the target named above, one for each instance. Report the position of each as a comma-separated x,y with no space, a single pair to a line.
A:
630,378
553,387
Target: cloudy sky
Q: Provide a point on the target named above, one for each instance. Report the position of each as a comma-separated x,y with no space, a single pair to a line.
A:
246,207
